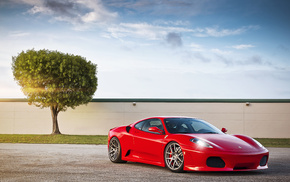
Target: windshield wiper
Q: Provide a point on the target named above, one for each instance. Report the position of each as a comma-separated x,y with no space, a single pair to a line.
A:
182,132
211,132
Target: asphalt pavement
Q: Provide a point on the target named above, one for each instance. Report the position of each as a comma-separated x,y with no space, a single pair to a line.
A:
62,162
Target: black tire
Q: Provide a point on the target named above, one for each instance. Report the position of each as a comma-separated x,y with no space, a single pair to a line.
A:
173,157
114,150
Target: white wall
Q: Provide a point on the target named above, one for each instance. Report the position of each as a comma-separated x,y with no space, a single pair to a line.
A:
264,120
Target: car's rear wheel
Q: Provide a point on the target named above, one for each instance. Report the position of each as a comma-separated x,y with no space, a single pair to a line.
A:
115,150
173,157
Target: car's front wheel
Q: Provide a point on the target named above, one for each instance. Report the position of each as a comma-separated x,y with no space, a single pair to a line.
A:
173,157
115,150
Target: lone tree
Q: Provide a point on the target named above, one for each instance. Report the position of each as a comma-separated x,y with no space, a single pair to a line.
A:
54,79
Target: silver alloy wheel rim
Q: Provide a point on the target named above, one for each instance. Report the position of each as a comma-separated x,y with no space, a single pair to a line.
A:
114,149
174,156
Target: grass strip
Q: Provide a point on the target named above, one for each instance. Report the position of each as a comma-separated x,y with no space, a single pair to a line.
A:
55,139
275,142
103,139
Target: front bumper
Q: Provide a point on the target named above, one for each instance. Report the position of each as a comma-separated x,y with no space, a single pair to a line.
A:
211,160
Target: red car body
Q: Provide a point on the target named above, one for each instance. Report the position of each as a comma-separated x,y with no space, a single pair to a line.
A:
215,151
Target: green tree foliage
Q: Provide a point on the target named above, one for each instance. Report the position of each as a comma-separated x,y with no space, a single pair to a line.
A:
54,79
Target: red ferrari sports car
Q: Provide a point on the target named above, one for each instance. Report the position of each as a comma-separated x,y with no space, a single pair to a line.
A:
182,143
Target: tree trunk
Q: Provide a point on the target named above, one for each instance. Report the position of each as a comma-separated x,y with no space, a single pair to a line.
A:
54,113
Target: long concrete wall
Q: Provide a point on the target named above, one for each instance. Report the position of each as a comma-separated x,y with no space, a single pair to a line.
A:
260,118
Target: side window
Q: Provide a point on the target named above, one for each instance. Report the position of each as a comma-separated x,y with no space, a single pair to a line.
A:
139,125
152,123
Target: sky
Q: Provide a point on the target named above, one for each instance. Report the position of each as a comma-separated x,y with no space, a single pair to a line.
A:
221,49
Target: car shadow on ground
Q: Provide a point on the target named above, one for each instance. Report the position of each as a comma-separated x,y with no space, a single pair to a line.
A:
226,173
201,173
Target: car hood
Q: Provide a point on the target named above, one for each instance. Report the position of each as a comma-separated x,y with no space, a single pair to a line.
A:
226,142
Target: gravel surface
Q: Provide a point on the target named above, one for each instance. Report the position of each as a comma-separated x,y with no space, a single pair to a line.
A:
62,162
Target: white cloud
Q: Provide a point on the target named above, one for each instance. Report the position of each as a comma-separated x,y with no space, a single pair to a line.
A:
157,32
172,23
139,30
217,32
196,47
221,52
17,34
80,13
99,13
243,46
143,30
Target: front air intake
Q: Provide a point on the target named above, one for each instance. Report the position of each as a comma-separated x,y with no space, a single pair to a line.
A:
215,162
264,160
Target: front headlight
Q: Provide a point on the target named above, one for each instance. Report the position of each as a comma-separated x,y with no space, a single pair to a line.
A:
258,143
200,142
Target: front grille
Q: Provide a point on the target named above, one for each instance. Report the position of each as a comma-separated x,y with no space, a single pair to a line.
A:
241,166
215,162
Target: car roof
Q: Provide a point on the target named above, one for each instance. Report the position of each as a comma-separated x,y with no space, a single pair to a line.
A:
171,117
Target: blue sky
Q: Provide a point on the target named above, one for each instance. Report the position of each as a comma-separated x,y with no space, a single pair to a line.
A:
158,49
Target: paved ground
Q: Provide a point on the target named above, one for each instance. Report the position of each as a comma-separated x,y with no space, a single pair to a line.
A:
53,162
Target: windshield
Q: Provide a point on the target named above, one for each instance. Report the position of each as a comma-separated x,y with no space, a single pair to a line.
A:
189,125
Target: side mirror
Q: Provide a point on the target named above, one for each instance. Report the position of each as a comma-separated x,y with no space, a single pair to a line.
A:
156,130
224,130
